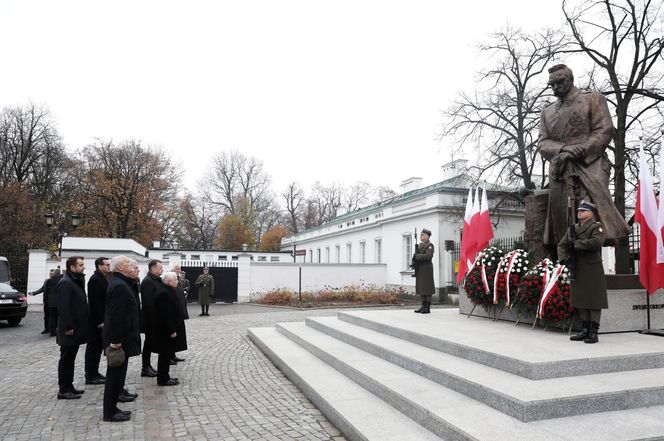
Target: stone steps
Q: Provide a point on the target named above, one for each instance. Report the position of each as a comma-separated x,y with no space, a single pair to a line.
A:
531,353
476,384
519,397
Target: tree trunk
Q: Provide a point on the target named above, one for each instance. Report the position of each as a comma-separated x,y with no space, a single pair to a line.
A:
622,246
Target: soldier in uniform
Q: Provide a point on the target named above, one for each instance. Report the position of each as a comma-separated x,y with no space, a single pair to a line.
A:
205,283
424,271
573,135
588,293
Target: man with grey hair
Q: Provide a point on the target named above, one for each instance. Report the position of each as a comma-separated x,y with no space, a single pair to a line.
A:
121,330
574,134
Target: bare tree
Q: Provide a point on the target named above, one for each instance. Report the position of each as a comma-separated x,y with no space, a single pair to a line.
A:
624,39
502,114
124,188
356,196
295,203
198,222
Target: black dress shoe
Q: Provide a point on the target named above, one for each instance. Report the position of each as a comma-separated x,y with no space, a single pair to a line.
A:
117,417
45,331
78,391
67,396
96,380
172,362
125,398
126,412
148,373
101,376
178,359
129,394
171,382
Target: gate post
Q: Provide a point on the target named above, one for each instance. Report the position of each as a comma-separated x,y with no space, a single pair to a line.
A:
243,278
37,272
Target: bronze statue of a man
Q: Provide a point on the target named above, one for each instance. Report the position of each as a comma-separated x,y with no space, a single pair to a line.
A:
573,135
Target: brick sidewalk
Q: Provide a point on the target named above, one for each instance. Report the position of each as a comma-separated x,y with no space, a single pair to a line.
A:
228,390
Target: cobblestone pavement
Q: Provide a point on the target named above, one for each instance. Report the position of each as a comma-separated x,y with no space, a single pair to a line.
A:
229,390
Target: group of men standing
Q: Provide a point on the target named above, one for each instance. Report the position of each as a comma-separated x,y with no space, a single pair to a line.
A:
117,309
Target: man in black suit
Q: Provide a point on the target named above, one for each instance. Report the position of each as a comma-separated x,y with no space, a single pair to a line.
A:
43,291
150,285
72,324
97,286
170,335
121,330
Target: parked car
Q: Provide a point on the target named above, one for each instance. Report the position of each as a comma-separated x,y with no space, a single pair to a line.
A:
13,304
5,274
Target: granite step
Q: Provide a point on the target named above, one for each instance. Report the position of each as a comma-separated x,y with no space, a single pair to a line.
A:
531,353
357,413
455,416
519,397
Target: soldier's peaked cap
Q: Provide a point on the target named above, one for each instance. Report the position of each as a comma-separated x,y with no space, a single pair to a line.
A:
206,268
588,206
425,231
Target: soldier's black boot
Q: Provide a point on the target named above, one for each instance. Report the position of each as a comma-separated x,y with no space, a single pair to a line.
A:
207,310
583,334
422,307
202,311
427,306
592,333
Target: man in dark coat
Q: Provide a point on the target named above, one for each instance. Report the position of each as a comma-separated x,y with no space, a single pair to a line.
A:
97,286
121,330
42,290
149,287
574,134
170,335
588,290
52,302
72,324
424,285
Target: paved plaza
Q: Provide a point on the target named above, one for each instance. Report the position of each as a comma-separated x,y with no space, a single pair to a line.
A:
229,390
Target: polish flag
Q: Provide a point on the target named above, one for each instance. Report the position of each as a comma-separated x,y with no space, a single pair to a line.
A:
465,263
475,227
651,273
484,227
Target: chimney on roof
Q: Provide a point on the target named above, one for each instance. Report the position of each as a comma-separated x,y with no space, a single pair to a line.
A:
411,184
454,168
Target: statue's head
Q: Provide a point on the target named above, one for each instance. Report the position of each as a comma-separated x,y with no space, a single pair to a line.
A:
561,80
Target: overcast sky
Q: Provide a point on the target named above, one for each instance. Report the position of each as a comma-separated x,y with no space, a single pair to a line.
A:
331,91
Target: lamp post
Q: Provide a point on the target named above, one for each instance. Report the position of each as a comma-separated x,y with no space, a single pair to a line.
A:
62,233
244,247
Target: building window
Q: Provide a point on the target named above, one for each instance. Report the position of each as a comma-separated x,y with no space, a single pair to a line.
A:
327,254
262,258
363,248
318,255
378,245
337,253
195,257
274,259
407,250
222,257
349,252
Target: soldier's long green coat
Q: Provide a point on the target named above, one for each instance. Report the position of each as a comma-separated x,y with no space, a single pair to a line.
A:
424,285
205,285
589,289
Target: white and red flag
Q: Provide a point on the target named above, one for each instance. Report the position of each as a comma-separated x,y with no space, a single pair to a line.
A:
649,217
484,227
467,242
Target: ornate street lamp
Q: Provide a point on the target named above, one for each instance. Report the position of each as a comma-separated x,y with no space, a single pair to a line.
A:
62,233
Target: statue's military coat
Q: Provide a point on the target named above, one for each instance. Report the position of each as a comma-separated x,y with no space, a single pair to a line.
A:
589,289
581,119
424,275
205,285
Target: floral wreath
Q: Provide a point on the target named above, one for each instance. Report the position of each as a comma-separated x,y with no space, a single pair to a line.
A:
479,280
544,293
512,266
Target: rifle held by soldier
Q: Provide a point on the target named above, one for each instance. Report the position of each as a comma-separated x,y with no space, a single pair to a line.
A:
413,262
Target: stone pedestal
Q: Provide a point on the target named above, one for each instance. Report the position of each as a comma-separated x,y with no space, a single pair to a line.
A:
627,310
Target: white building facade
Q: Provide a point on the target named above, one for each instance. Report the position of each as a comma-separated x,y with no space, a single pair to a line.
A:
384,233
